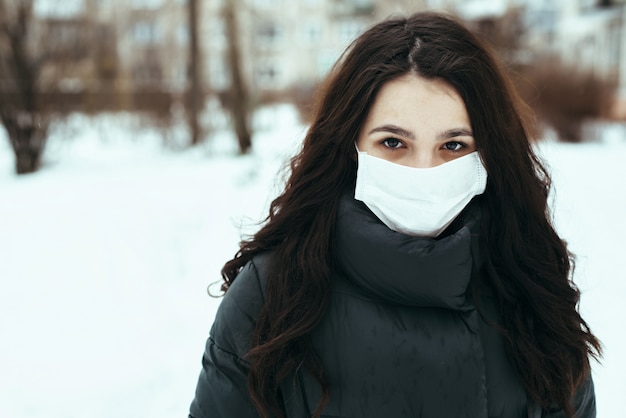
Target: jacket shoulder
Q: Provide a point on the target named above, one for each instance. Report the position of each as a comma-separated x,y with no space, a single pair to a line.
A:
237,314
222,385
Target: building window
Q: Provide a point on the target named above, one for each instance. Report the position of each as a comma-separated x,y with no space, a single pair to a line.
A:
179,76
145,33
585,49
267,75
67,35
614,46
311,33
217,33
219,77
269,35
182,34
147,72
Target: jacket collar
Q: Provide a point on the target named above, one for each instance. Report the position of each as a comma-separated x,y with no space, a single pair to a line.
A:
406,270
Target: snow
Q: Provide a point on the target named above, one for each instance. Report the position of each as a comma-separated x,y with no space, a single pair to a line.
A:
107,252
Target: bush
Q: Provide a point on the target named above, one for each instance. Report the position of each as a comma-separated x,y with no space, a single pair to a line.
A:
563,97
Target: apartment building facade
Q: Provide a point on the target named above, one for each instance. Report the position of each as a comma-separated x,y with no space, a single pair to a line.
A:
283,43
287,44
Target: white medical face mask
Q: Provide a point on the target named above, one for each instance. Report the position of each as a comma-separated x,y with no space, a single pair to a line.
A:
419,201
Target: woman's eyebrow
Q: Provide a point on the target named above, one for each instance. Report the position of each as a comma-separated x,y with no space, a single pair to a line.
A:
394,129
454,132
397,130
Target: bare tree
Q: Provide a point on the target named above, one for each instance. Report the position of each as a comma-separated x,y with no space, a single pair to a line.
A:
239,100
50,66
20,107
195,95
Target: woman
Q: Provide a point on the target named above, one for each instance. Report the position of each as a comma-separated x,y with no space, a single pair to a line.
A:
409,268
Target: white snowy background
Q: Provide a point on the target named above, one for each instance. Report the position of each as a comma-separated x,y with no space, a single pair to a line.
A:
107,252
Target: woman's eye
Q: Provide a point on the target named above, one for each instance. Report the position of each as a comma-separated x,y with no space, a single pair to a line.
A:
392,143
453,146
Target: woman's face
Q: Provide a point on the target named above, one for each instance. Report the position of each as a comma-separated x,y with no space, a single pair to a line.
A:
418,123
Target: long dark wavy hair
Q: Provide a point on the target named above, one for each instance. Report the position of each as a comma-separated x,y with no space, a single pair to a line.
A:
528,264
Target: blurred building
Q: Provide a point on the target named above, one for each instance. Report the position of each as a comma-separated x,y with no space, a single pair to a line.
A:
63,42
286,45
588,35
129,47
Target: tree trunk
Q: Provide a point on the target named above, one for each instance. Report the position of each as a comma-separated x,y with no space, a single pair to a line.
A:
28,141
194,94
19,105
238,100
27,159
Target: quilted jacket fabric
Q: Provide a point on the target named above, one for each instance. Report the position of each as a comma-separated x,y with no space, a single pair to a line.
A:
405,334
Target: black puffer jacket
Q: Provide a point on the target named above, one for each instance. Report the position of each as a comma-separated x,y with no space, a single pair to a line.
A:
402,336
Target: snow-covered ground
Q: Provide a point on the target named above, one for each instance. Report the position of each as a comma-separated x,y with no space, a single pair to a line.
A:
106,254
